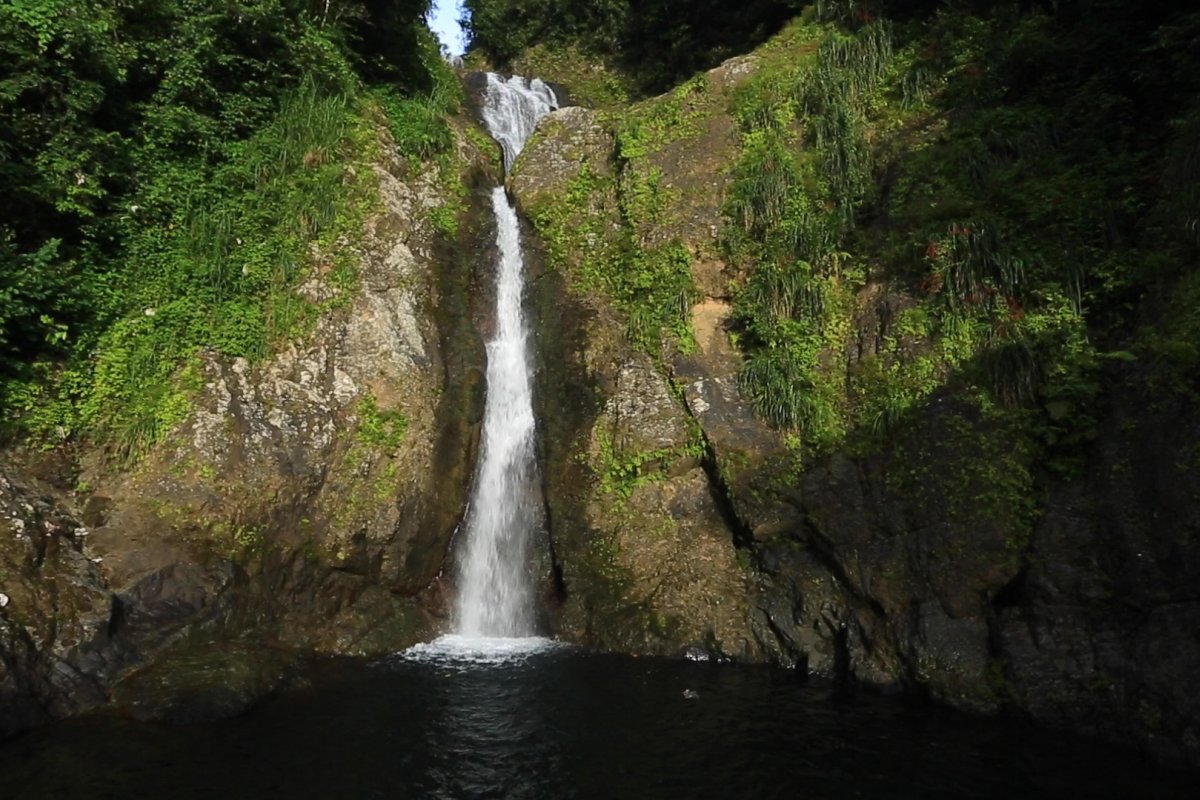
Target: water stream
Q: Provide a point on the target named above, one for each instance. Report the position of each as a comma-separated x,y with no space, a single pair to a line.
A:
495,594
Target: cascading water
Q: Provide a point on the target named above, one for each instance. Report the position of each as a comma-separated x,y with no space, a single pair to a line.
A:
511,110
496,595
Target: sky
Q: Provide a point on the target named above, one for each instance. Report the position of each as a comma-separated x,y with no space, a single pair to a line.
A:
444,22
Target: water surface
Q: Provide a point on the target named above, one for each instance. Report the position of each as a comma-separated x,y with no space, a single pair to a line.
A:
544,721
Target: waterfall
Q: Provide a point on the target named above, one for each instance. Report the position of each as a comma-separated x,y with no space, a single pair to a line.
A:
496,596
511,109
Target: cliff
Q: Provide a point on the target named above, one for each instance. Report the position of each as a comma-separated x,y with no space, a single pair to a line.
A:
813,395
304,505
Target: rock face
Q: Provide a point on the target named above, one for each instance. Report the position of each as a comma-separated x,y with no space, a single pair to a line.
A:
679,521
309,502
1102,629
306,505
55,615
644,544
645,553
1091,622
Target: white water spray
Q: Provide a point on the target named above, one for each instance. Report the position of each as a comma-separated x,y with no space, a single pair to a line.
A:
496,597
511,110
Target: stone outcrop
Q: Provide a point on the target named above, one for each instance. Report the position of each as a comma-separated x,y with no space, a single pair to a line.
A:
949,562
643,543
306,505
1090,620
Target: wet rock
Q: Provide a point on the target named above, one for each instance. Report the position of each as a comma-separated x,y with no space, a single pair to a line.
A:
57,610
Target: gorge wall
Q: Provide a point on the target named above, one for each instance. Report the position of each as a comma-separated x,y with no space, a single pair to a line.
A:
305,505
985,551
816,385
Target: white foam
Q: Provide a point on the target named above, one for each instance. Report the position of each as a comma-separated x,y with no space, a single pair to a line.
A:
511,110
478,651
497,595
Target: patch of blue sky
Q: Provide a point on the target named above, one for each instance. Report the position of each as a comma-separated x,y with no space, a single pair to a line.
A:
443,21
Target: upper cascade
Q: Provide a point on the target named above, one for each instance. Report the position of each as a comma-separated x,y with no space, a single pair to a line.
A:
511,110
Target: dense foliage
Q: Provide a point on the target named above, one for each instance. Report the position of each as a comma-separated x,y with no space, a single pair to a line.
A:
655,42
989,205
1011,179
167,167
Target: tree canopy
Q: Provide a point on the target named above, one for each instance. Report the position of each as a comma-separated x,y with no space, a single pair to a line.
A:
656,42
127,127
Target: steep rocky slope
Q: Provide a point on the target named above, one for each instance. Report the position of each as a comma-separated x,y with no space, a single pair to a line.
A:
305,505
935,549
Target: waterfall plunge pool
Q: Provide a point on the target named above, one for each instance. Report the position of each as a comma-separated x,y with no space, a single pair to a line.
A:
534,719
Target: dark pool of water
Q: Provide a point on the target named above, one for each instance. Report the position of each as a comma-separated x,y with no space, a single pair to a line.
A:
572,724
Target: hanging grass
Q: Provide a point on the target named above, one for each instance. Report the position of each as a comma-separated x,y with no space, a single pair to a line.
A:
976,265
1012,371
767,175
785,292
224,278
787,391
804,168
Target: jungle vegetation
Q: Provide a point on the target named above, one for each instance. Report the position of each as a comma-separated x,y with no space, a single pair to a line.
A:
654,43
1017,179
1020,182
168,169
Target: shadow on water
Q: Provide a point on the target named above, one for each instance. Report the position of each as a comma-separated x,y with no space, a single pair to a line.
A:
570,724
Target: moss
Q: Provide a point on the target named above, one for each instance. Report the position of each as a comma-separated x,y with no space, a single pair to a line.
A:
486,146
623,472
595,246
975,469
454,168
1171,346
377,428
587,82
574,229
652,125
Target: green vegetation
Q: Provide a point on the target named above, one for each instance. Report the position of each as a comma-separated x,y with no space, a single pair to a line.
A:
623,472
367,472
652,125
804,168
650,44
616,232
590,84
173,171
381,429
976,469
650,285
985,211
420,129
984,185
